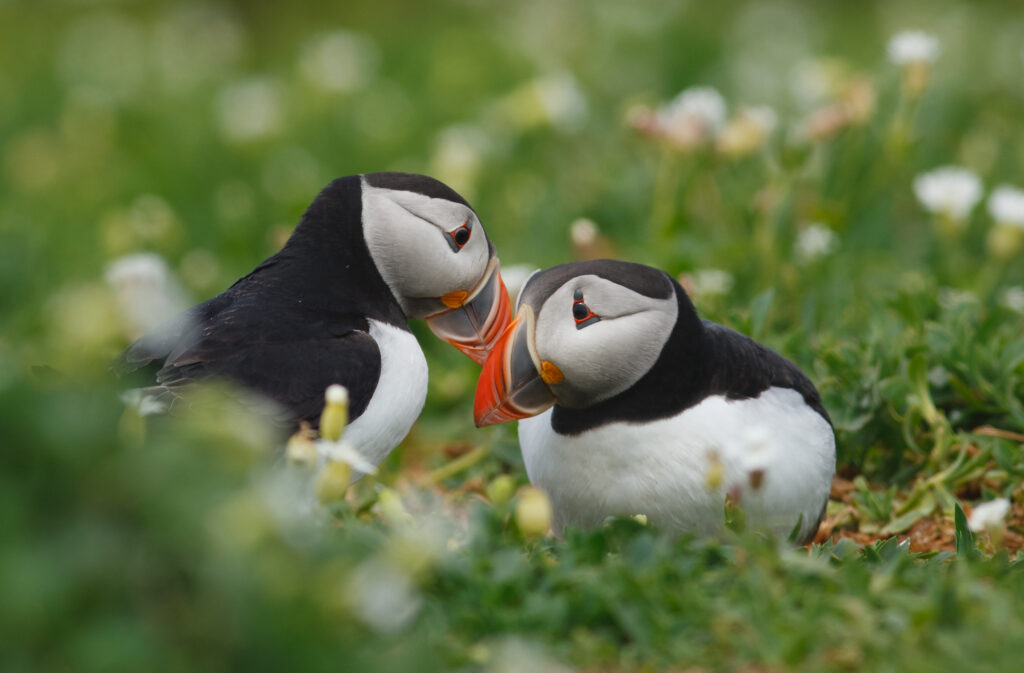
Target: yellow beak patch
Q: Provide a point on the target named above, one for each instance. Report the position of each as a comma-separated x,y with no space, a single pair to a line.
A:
550,373
455,299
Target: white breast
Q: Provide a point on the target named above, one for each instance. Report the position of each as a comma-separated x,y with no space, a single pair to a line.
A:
660,468
398,399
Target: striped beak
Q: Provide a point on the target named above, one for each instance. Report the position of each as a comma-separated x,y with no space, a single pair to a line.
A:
514,381
475,320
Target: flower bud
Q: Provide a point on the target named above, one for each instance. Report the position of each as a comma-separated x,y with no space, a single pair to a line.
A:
389,503
335,415
1004,242
716,472
533,512
301,449
500,490
332,481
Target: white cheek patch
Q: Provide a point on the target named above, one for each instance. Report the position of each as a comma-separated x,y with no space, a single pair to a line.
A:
605,358
405,233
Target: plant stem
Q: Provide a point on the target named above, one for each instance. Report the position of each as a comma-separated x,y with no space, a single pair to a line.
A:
458,465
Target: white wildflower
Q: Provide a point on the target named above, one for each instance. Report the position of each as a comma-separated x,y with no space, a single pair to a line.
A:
583,232
950,191
340,463
1006,205
146,291
693,117
711,281
989,515
250,109
1012,298
702,104
513,655
554,100
587,241
344,452
383,596
815,241
339,61
913,46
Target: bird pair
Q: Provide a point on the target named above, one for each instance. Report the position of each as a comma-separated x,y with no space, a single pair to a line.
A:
627,402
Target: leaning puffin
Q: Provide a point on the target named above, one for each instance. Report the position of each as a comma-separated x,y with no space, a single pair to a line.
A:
370,253
631,404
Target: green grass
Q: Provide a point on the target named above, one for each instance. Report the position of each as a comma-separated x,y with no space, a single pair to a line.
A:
182,545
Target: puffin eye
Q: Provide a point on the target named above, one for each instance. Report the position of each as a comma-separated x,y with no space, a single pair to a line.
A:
457,238
581,313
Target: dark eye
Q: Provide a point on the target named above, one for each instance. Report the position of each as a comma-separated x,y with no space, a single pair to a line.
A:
581,313
457,238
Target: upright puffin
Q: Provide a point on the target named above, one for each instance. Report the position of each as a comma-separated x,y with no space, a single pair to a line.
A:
631,404
370,253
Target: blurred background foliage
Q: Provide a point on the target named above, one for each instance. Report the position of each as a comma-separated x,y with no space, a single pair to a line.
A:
199,131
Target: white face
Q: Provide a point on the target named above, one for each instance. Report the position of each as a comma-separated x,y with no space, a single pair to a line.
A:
601,358
417,245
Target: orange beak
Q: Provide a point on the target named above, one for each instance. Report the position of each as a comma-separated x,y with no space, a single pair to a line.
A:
514,382
475,320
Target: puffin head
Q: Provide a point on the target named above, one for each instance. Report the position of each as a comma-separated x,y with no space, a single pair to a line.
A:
583,333
432,252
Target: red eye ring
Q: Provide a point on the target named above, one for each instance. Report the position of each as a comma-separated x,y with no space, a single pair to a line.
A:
581,313
458,237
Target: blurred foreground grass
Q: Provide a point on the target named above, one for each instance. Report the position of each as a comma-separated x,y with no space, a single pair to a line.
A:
199,131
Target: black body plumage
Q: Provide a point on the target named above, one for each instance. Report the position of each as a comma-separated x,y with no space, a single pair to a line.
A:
700,359
297,323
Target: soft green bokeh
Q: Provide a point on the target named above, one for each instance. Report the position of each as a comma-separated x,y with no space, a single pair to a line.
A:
199,131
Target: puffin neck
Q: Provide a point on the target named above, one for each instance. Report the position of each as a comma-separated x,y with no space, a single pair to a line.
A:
326,263
677,380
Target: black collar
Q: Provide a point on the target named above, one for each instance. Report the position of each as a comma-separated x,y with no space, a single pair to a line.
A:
700,359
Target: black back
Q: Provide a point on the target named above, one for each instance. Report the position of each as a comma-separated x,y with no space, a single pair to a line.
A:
294,325
641,279
701,358
411,182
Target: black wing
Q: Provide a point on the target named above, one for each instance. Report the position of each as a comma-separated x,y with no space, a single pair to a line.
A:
744,368
286,352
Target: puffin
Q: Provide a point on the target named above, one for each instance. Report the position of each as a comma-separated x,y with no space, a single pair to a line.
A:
370,253
630,404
